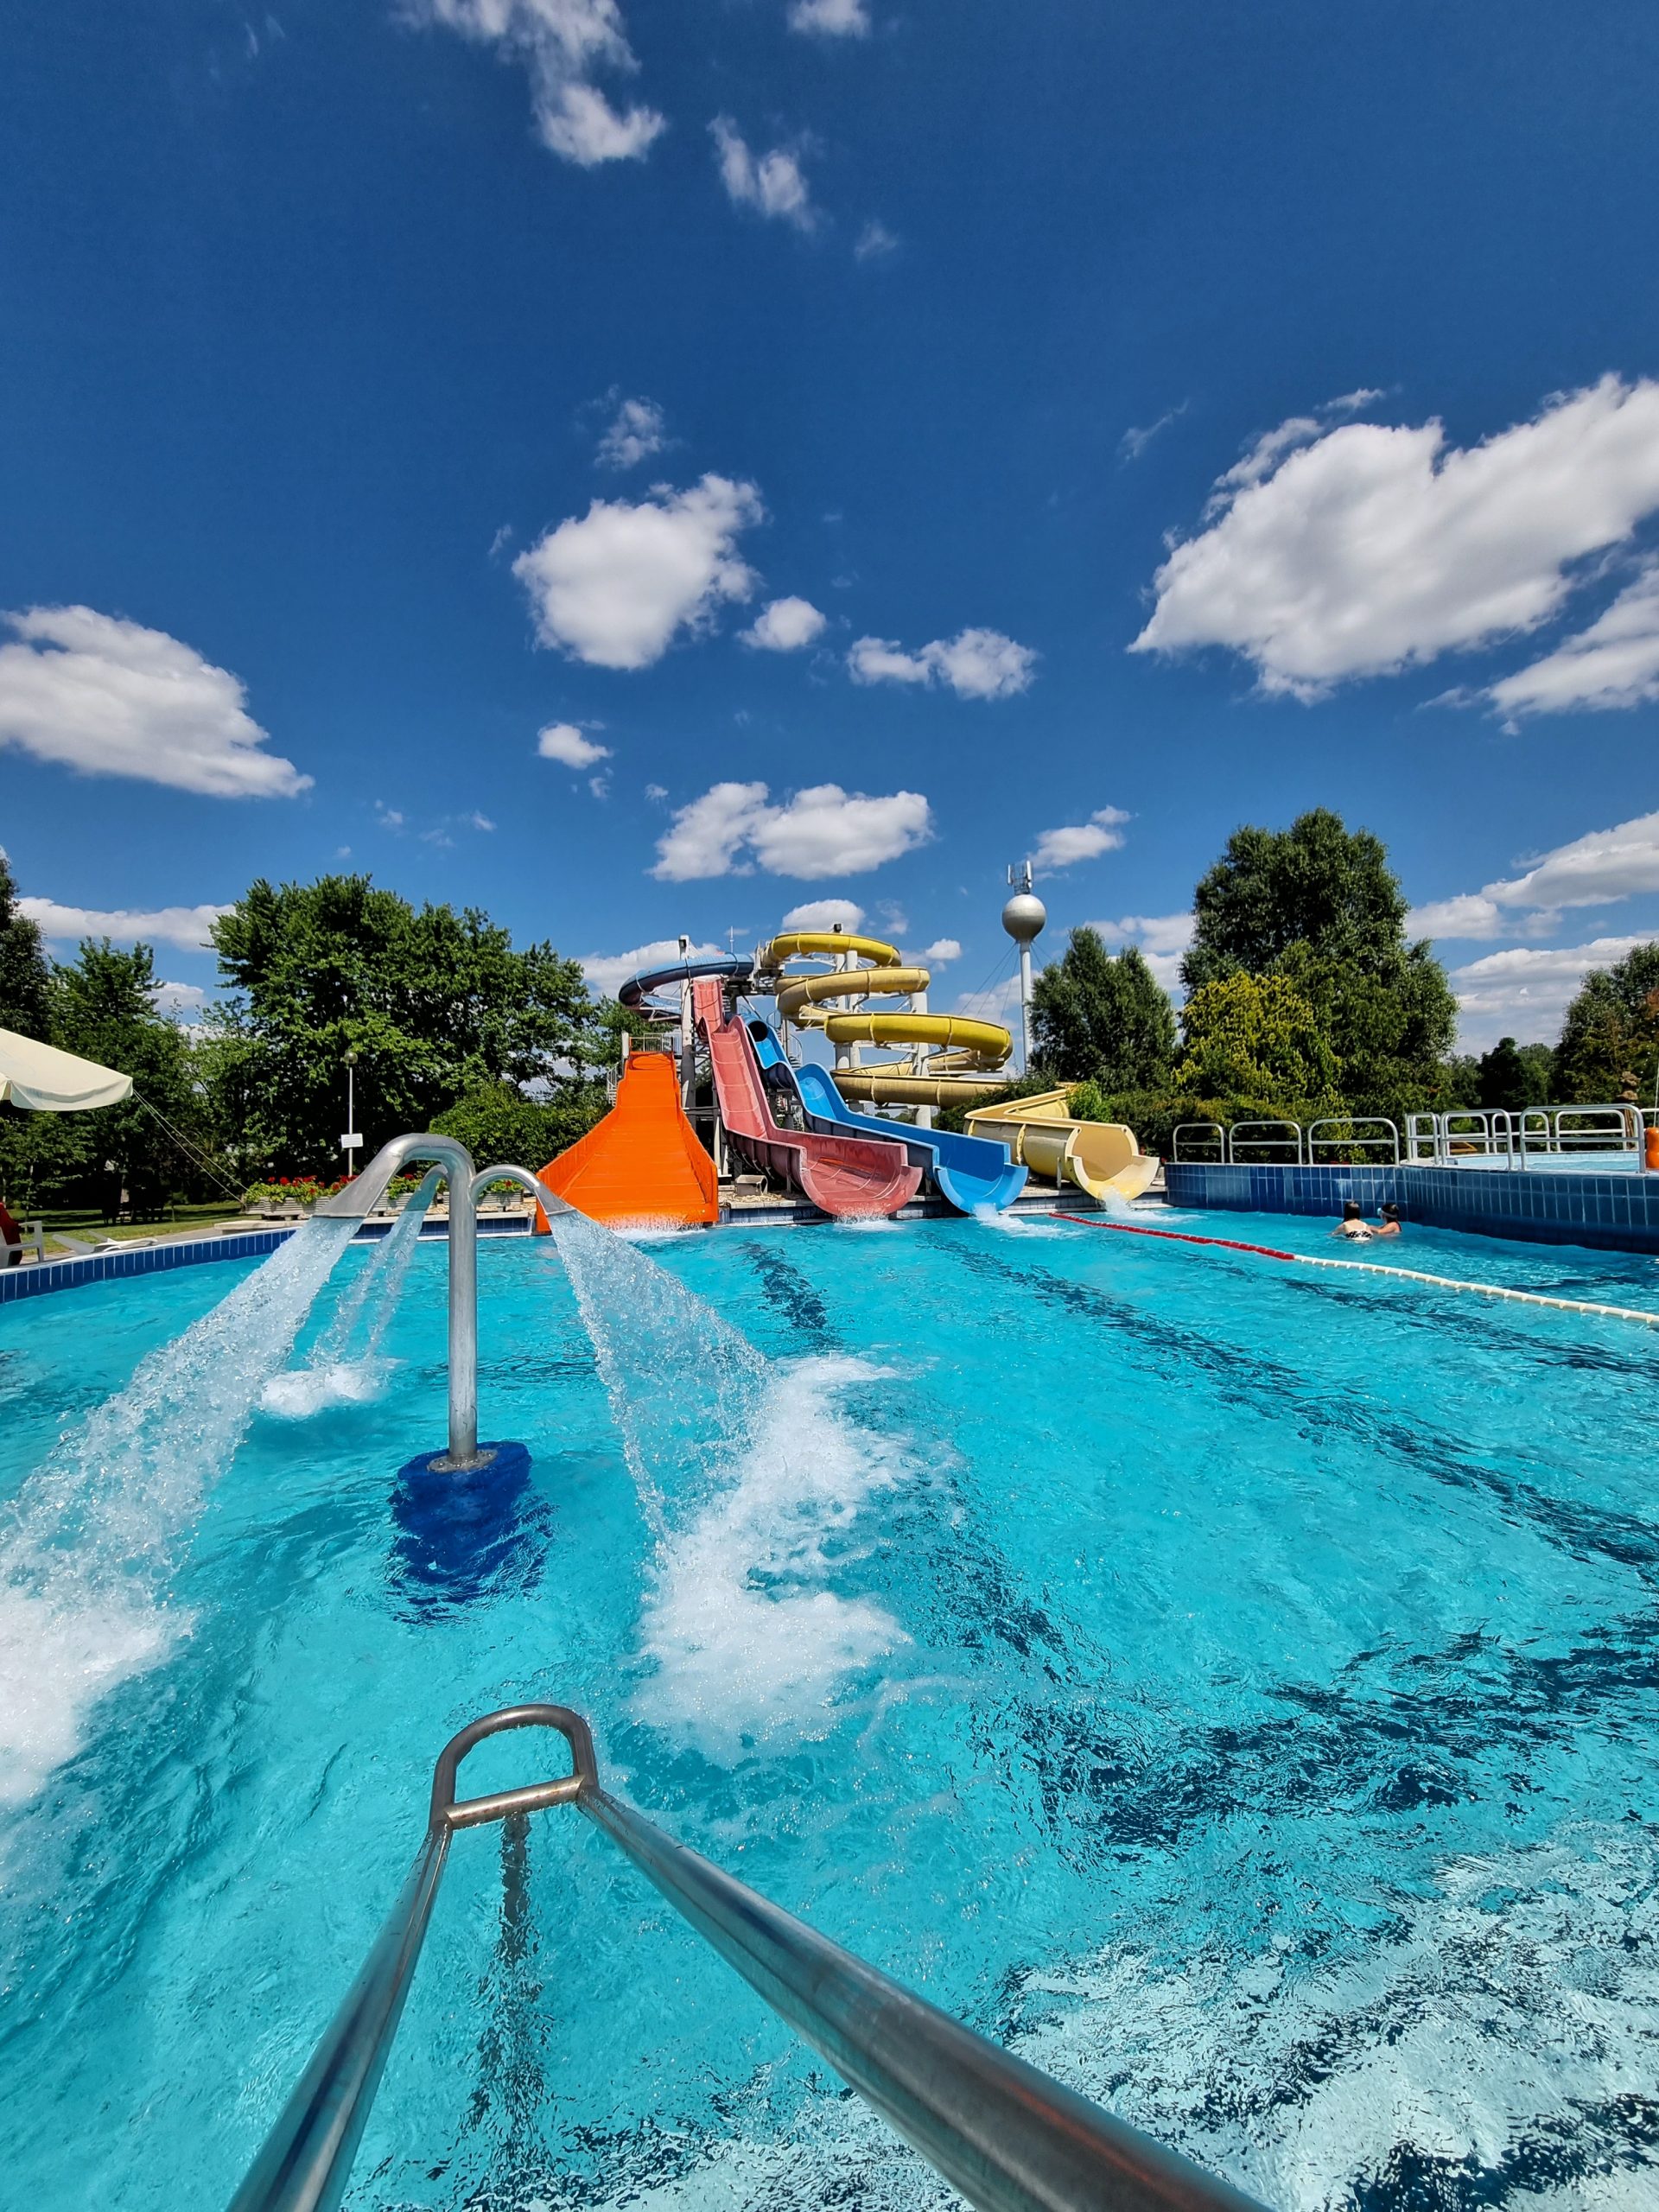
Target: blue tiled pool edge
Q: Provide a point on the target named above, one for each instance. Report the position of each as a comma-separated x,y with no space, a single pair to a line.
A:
1618,1213
149,1259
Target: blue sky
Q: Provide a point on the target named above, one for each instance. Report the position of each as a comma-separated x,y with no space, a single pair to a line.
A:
646,468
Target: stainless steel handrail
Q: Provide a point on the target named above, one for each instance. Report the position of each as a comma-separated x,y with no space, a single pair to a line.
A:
1294,1144
1008,2137
1218,1139
1352,1122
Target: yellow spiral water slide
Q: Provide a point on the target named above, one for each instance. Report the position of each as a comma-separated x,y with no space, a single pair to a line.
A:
952,1059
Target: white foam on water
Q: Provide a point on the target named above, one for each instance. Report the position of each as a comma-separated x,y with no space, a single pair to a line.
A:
1507,2010
329,1377
1502,2010
92,1539
748,1640
302,1391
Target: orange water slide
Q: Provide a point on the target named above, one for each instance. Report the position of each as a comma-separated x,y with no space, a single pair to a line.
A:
643,1162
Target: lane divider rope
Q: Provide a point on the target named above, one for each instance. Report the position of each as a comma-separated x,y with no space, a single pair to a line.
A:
1369,1267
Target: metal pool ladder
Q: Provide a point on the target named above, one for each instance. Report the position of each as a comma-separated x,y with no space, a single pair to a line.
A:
1007,2136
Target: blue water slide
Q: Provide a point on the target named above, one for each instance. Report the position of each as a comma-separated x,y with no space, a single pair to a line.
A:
685,971
970,1173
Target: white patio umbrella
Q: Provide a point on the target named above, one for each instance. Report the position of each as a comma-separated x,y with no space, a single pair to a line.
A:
47,1081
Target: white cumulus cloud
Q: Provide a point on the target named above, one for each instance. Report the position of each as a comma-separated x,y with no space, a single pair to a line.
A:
941,950
1338,552
1523,992
613,587
831,18
820,831
786,625
607,972
1614,663
772,184
111,698
564,743
825,914
1082,840
178,1001
1595,870
975,664
637,430
189,927
1160,939
563,44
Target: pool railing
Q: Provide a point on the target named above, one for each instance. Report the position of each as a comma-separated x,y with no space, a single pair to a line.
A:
1008,2137
1609,1139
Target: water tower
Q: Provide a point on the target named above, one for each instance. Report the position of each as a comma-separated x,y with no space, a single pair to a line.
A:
1024,918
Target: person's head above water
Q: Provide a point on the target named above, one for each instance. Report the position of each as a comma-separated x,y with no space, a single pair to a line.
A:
1351,1212
1390,1212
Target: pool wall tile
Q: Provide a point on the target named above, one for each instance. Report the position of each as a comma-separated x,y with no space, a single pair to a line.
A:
1611,1212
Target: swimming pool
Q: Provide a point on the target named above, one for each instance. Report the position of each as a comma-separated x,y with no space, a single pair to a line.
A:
1232,1685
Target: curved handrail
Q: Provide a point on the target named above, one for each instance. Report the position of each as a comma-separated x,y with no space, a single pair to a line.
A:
1008,2137
1352,1122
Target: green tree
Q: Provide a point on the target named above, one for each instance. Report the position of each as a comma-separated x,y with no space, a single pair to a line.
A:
1317,884
25,978
1256,1037
436,1003
1513,1076
104,1007
1318,906
497,1123
1103,1021
1611,1032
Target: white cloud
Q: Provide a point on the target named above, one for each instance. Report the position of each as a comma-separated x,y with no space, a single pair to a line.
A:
875,242
1161,939
608,971
941,950
111,698
1615,663
976,664
770,183
1134,442
564,743
562,43
178,1001
786,625
1333,553
638,430
656,792
614,585
822,831
189,927
1523,992
1595,870
824,915
1082,840
831,18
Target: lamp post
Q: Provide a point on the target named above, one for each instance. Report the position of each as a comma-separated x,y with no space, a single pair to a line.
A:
352,1141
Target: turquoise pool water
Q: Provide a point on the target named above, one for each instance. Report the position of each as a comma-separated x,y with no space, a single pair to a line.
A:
1232,1685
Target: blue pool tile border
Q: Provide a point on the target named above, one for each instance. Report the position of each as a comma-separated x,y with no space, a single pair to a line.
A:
1617,1213
151,1259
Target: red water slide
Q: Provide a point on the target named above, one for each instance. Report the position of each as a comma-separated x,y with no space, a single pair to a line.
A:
840,1175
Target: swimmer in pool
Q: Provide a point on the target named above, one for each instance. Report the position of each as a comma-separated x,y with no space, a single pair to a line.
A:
1353,1224
1390,1224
